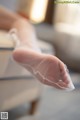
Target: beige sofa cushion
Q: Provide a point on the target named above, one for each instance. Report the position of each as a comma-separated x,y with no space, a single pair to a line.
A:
67,41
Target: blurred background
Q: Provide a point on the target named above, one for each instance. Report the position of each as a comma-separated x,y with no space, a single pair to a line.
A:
58,31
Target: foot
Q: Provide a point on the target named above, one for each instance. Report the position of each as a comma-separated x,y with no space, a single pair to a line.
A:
47,69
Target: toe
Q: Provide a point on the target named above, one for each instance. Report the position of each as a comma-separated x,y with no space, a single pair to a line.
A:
66,81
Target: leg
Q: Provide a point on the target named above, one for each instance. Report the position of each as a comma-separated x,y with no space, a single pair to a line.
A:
34,105
7,18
